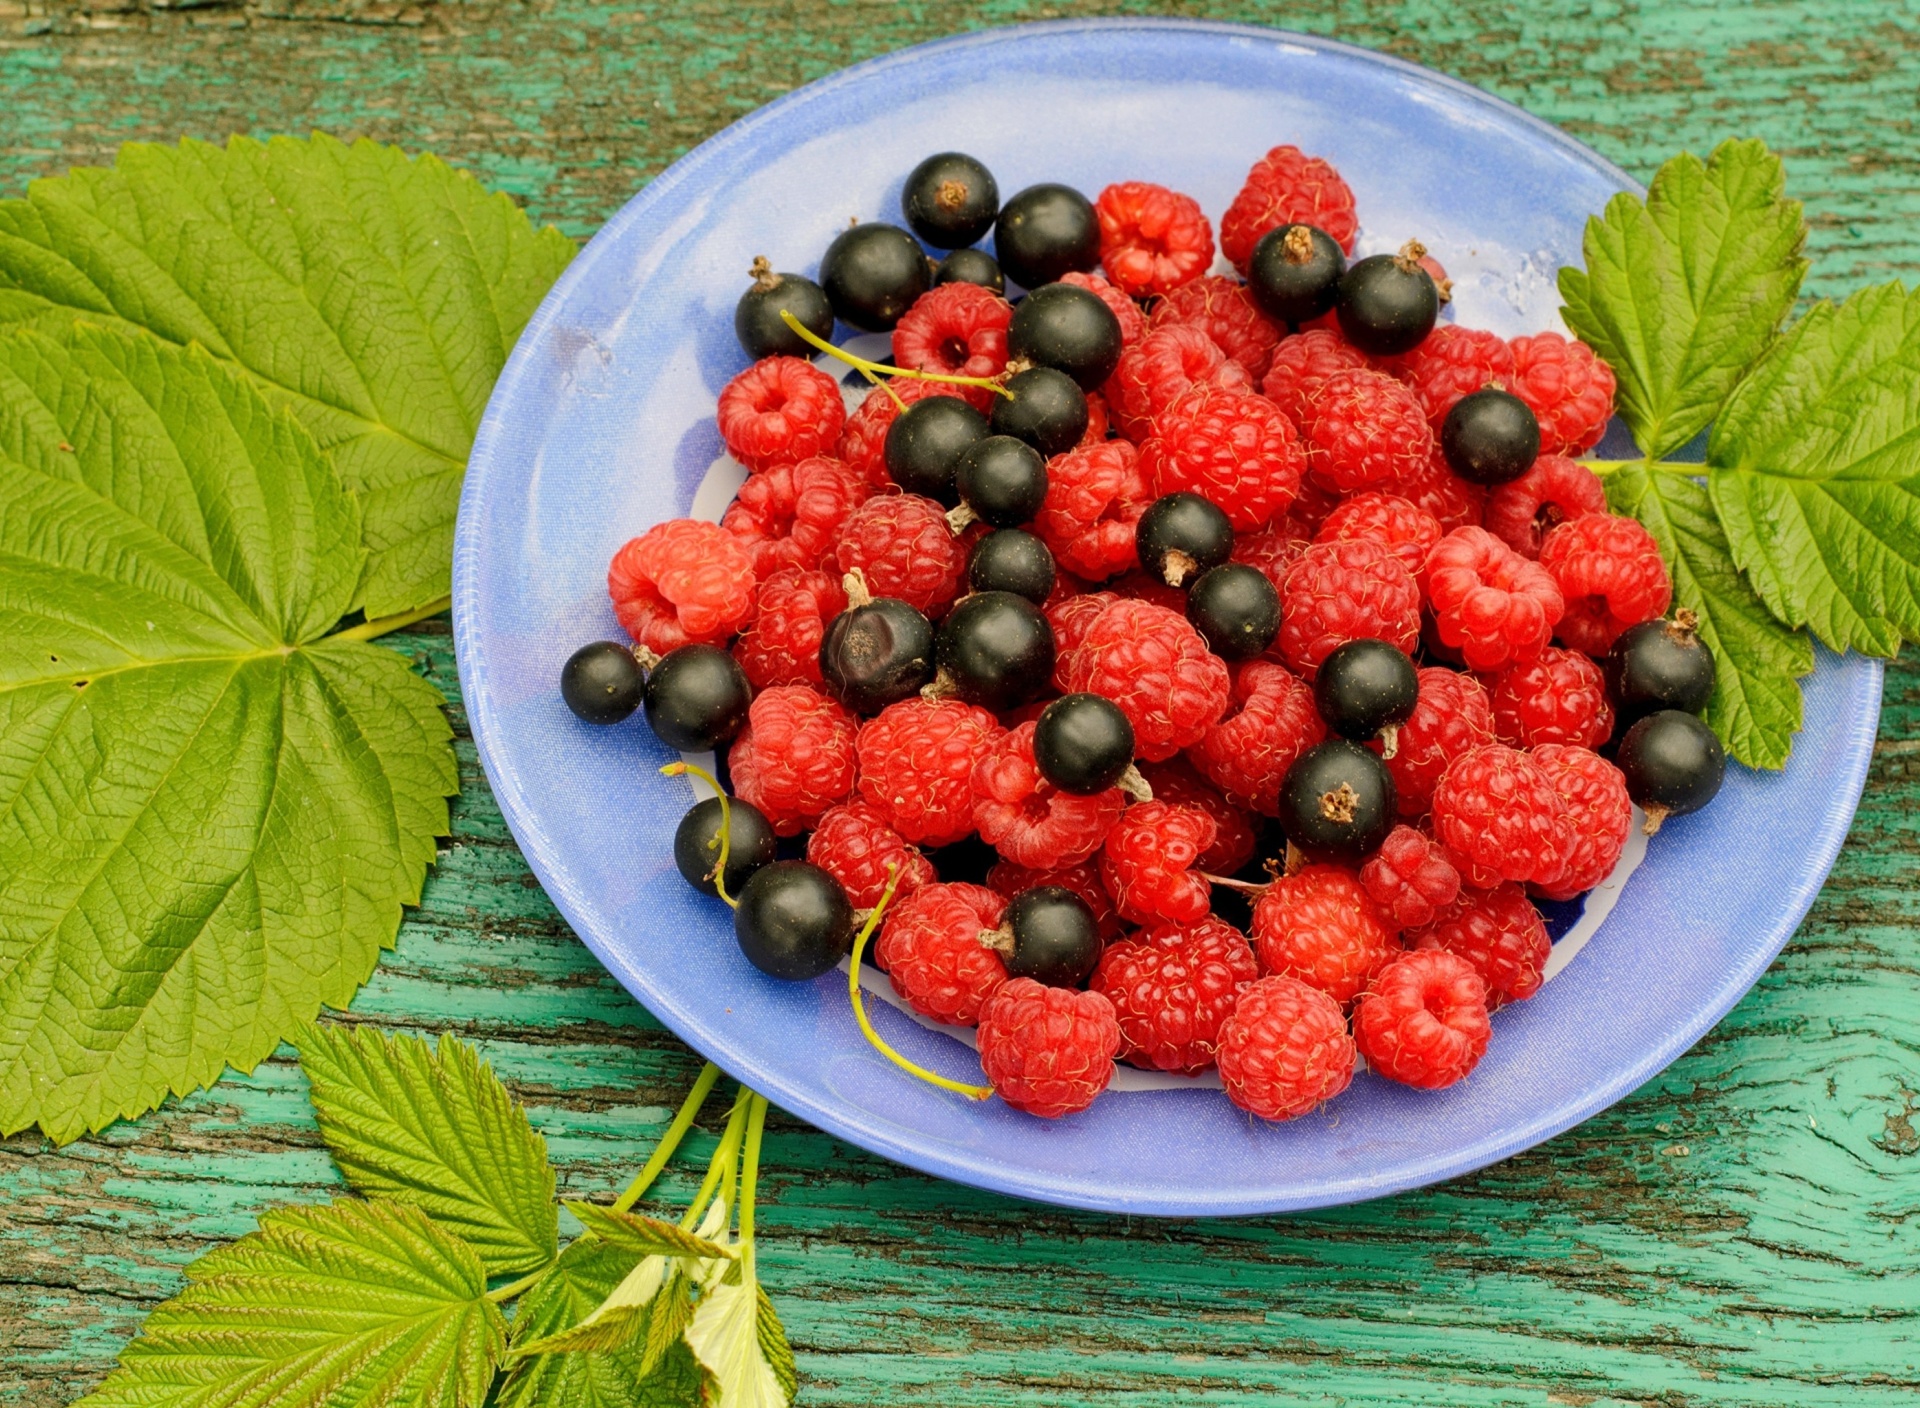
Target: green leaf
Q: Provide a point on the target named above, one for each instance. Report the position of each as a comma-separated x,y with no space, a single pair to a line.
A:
210,814
773,1343
435,1128
1756,698
619,1320
367,1304
1682,292
374,294
726,1337
643,1236
1816,472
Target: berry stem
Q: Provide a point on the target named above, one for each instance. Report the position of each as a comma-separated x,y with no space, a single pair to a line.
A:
724,839
870,370
1249,887
670,1141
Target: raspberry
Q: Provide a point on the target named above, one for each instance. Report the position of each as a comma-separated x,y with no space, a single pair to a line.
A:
1453,362
1152,239
1287,186
955,329
1029,820
1270,722
780,410
1344,591
1047,1051
1609,570
1155,666
787,516
1159,367
1595,794
863,442
1423,1020
1233,447
681,581
1364,430
1490,603
1403,528
902,545
1272,550
1071,619
916,766
1233,842
794,759
1310,511
1284,1049
1500,818
1320,926
1171,987
1302,363
781,644
1009,879
1410,878
1568,388
1133,323
931,948
1559,698
1095,496
854,844
1148,862
1225,312
1523,511
1444,494
1451,719
1500,933
1096,431
1138,586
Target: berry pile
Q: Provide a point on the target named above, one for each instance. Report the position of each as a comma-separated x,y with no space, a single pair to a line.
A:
1197,672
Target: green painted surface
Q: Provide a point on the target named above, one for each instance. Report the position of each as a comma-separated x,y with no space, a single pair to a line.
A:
1744,1231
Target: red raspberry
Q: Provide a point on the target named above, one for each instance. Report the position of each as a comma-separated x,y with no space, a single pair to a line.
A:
1176,781
1009,879
1225,312
1157,369
1453,362
1272,550
1095,496
780,410
1410,878
1301,365
854,844
1569,389
1500,933
1521,512
1152,239
1138,586
1451,719
1071,619
1287,186
681,581
930,945
1596,799
1096,432
1423,1020
794,759
781,644
1500,818
1609,570
1559,698
902,545
1450,499
1148,862
863,442
1364,430
1403,528
1344,591
1133,323
1171,987
1490,603
1320,926
957,330
1233,447
787,516
1271,722
916,766
1155,666
1284,1050
1047,1051
1310,511
1029,820
1438,273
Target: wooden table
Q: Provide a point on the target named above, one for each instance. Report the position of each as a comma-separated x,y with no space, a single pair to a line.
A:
1743,1231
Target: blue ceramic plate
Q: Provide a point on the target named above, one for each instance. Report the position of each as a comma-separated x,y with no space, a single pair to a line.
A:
602,424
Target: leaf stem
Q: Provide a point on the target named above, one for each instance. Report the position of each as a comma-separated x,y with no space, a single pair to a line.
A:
367,630
513,1288
723,1157
872,369
1605,467
750,1176
670,1141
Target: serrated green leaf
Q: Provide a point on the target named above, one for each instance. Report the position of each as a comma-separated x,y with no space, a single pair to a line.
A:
210,814
773,1343
1756,706
725,1336
357,1303
374,294
1682,292
435,1127
1816,472
619,1321
642,1235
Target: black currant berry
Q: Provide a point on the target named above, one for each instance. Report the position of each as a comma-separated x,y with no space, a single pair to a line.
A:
1082,743
971,266
1044,232
696,844
872,273
926,441
697,698
995,650
1673,764
1659,665
793,920
1294,273
756,317
1180,536
950,200
876,653
1048,934
1235,609
1387,303
1068,328
1047,409
1336,801
602,683
1490,437
1366,687
1001,479
1012,560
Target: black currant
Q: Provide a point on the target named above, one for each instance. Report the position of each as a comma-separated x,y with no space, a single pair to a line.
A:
875,653
602,683
696,844
1012,560
697,698
1047,409
1236,610
1066,327
1180,536
926,441
1388,303
1673,764
995,650
1490,437
1294,273
756,317
1046,231
1366,687
793,920
1336,801
1002,479
971,266
872,273
1659,665
1048,934
1082,743
950,200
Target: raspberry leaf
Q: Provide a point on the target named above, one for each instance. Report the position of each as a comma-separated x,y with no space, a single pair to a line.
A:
728,1336
1683,291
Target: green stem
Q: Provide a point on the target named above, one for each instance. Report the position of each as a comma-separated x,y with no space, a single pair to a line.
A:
723,1159
513,1288
367,630
1605,467
872,369
670,1141
750,1176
